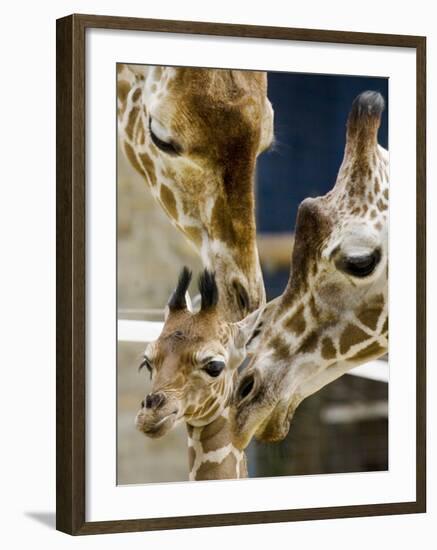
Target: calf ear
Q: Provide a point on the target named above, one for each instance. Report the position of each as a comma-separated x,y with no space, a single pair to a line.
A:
249,330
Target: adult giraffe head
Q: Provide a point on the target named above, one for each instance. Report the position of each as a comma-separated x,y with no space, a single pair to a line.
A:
195,134
333,314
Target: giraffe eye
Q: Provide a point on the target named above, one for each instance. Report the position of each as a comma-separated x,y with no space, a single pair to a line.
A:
360,266
168,147
214,368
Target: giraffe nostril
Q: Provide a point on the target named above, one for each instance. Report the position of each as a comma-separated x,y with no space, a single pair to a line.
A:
154,400
246,387
241,296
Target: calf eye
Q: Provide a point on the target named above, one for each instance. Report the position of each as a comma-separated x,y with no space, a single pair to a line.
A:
360,266
168,147
214,368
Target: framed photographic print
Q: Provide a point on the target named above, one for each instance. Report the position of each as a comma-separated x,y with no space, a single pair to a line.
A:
240,210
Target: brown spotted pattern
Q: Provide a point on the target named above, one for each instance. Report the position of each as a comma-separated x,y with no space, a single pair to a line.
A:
212,454
333,314
216,122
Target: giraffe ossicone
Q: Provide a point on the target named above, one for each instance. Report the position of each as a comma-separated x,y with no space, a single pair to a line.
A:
194,135
193,366
333,314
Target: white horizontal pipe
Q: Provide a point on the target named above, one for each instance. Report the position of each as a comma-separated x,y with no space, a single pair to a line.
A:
373,370
147,331
348,413
138,331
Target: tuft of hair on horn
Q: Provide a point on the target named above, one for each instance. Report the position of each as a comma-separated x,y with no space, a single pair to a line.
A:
178,298
208,290
366,109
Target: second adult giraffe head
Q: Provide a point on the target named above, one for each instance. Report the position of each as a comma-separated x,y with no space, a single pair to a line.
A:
333,314
195,134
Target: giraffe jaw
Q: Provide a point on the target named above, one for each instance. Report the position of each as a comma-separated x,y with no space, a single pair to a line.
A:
266,411
277,425
153,427
269,423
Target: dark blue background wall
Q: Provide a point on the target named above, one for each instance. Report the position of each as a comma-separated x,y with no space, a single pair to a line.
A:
310,119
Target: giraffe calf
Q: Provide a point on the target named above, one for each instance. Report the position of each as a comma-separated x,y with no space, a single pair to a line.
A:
193,366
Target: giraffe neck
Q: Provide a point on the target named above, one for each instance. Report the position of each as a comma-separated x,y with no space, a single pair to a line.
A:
325,344
211,452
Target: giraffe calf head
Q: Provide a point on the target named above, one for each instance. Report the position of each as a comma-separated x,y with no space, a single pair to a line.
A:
194,361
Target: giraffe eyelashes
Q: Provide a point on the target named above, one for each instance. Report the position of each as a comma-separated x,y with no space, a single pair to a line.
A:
214,368
168,147
146,364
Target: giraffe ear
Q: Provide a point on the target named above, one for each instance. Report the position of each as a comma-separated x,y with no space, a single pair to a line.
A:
249,330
